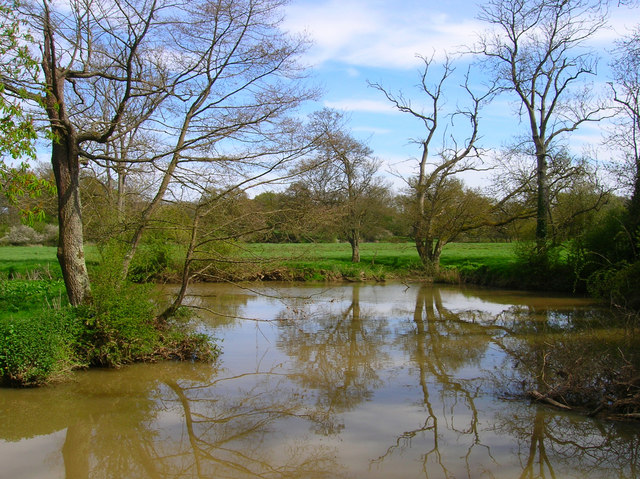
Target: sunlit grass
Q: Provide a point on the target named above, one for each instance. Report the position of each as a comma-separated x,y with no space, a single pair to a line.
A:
377,259
39,261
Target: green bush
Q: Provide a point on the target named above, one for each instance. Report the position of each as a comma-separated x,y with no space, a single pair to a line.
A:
15,294
38,349
543,268
153,260
618,284
121,324
607,242
119,320
606,261
41,338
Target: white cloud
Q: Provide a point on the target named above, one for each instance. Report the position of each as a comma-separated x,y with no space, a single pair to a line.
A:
367,106
379,33
373,129
353,72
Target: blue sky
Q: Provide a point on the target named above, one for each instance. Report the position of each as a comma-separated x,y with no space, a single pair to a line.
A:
356,41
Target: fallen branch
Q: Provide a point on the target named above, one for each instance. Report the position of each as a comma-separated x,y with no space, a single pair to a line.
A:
624,417
541,398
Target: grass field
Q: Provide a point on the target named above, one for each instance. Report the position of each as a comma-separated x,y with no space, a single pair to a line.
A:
380,259
312,261
35,262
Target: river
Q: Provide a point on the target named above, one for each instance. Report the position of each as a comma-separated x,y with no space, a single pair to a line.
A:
329,381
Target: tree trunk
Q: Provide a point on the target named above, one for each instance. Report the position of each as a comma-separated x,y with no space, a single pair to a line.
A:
354,241
634,207
542,214
66,168
186,272
429,253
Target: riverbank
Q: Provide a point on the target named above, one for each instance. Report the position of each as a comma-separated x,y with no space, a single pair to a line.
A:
43,339
486,264
466,262
119,327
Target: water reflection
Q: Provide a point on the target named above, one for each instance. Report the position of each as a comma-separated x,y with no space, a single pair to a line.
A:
129,424
335,350
349,381
439,344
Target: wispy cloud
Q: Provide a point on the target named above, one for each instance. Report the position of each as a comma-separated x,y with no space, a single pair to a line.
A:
366,106
377,33
373,129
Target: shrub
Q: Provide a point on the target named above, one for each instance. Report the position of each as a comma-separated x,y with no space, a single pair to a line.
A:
41,340
22,235
152,260
119,321
545,268
37,349
618,284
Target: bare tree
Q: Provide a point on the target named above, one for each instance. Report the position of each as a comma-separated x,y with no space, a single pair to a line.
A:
196,77
538,51
626,91
443,208
341,176
575,189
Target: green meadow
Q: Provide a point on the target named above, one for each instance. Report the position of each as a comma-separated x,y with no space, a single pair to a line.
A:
306,261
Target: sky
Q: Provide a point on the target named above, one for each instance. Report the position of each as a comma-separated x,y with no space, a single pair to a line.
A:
357,42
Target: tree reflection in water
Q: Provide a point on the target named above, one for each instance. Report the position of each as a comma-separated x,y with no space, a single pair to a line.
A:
547,346
439,343
335,351
360,381
193,427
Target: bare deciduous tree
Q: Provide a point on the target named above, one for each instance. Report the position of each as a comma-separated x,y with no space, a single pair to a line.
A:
538,51
198,78
342,176
626,91
443,208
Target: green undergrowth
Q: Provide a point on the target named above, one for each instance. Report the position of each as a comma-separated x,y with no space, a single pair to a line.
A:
43,339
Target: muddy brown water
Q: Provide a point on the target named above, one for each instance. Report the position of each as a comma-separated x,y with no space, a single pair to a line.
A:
356,380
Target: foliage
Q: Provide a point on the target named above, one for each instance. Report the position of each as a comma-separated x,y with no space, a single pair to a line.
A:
37,349
42,338
154,259
119,323
606,260
546,266
36,339
17,130
23,235
16,293
619,285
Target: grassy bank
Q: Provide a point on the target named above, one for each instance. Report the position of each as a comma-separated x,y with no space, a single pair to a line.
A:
482,263
379,261
43,338
491,264
302,261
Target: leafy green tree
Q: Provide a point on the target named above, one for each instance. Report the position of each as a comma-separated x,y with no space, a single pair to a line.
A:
17,129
